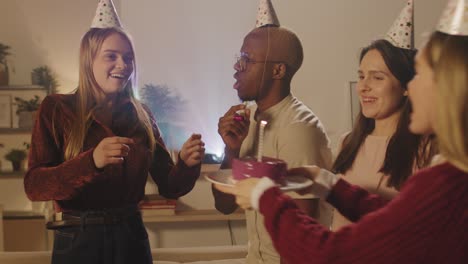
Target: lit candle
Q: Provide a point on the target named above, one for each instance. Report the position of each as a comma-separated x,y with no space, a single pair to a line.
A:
263,123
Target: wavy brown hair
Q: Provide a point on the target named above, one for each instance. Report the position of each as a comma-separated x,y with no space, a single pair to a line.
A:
447,55
88,90
405,150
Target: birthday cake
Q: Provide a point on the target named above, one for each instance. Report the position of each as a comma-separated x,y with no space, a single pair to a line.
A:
274,169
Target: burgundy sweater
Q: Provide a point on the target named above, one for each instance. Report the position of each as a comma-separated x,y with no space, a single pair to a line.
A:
76,184
426,223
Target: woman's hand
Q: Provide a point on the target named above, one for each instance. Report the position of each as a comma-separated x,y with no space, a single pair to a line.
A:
193,150
111,150
242,190
323,180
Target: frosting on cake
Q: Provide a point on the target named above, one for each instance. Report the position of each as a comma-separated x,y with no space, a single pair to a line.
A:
248,167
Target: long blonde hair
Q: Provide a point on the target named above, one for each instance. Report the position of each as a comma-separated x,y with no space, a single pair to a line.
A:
88,90
448,57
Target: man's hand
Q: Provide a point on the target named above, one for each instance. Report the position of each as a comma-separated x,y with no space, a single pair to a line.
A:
233,132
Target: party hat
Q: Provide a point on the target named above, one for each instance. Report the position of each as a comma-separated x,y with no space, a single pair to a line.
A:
454,20
401,34
266,15
106,15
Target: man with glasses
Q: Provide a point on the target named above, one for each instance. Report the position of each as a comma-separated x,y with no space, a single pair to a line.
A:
269,58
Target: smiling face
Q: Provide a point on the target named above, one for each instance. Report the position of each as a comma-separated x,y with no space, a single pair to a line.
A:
422,94
113,64
381,94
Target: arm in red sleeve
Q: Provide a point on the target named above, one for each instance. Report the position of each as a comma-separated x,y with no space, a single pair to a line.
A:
173,181
409,229
354,202
48,176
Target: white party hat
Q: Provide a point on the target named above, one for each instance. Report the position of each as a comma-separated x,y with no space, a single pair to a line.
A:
106,15
266,14
401,34
454,20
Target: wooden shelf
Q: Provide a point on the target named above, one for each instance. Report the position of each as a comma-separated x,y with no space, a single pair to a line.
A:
10,215
182,216
11,174
209,167
28,87
195,216
15,130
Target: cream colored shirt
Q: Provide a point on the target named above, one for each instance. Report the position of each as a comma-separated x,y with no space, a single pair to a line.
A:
365,173
296,135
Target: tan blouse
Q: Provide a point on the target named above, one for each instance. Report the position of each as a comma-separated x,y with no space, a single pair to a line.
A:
365,173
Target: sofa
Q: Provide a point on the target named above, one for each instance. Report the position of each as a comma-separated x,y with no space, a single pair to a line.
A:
194,255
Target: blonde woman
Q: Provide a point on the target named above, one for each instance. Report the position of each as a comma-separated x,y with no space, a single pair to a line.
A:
91,152
427,220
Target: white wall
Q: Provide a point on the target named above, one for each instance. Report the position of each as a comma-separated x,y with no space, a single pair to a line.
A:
45,32
190,45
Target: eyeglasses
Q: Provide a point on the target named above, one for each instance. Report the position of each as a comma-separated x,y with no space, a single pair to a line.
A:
242,60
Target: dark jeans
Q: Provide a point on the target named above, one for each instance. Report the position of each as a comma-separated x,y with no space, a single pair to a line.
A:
122,243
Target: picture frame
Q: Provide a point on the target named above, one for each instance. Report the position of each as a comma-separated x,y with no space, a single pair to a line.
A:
354,99
6,118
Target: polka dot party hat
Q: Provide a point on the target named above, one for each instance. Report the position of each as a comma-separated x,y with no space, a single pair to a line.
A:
106,15
266,15
401,34
454,20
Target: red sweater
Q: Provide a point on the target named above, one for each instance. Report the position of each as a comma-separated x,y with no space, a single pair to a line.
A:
76,184
426,223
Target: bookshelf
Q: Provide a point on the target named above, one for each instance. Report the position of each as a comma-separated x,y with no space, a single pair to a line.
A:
12,174
195,216
4,130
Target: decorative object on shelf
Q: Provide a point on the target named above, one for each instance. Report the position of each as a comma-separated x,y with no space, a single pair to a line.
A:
4,75
44,76
16,156
154,204
26,111
5,111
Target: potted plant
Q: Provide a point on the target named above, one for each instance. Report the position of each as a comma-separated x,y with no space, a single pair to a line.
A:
16,156
44,76
26,111
4,53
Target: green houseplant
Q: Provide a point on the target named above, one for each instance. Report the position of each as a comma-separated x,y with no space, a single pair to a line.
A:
4,53
16,156
44,76
26,111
